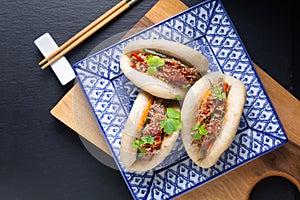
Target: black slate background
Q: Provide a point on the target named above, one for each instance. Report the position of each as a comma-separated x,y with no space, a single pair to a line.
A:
41,158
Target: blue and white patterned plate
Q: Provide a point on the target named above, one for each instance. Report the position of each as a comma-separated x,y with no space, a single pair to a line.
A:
207,28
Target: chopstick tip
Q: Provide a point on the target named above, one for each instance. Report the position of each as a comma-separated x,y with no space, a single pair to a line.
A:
44,66
42,62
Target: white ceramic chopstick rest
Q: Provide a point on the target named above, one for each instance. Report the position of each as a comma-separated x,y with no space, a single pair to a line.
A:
62,68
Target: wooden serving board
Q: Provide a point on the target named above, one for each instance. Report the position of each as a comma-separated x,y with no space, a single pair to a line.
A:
237,184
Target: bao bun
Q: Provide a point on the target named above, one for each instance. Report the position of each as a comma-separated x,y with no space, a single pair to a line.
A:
128,154
153,85
235,104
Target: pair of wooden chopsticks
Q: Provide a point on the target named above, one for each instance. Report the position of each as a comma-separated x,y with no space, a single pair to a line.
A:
86,32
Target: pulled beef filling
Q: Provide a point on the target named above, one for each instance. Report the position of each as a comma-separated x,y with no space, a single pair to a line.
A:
156,114
211,114
173,71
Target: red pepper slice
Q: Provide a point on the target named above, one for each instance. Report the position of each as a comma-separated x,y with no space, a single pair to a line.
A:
137,57
226,88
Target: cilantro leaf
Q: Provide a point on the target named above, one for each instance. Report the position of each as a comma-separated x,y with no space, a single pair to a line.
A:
138,143
186,86
173,121
168,126
219,93
196,126
171,125
155,61
202,130
197,136
177,97
172,113
152,70
199,131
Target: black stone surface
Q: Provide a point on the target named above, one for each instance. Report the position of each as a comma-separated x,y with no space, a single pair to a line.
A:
40,157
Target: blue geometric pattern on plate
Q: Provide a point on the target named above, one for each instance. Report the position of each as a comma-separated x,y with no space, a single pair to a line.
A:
207,28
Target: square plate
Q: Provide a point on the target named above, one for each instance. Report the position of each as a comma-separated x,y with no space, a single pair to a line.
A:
207,28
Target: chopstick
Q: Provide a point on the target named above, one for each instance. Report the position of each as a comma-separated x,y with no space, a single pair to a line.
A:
86,32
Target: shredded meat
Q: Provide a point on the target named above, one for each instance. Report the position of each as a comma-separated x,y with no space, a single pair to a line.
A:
156,114
211,114
174,71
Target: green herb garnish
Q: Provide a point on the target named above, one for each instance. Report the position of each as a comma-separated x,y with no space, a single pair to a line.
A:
154,62
198,131
186,86
152,70
138,143
177,97
173,121
219,93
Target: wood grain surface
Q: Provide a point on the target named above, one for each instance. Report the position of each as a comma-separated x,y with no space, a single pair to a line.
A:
237,184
